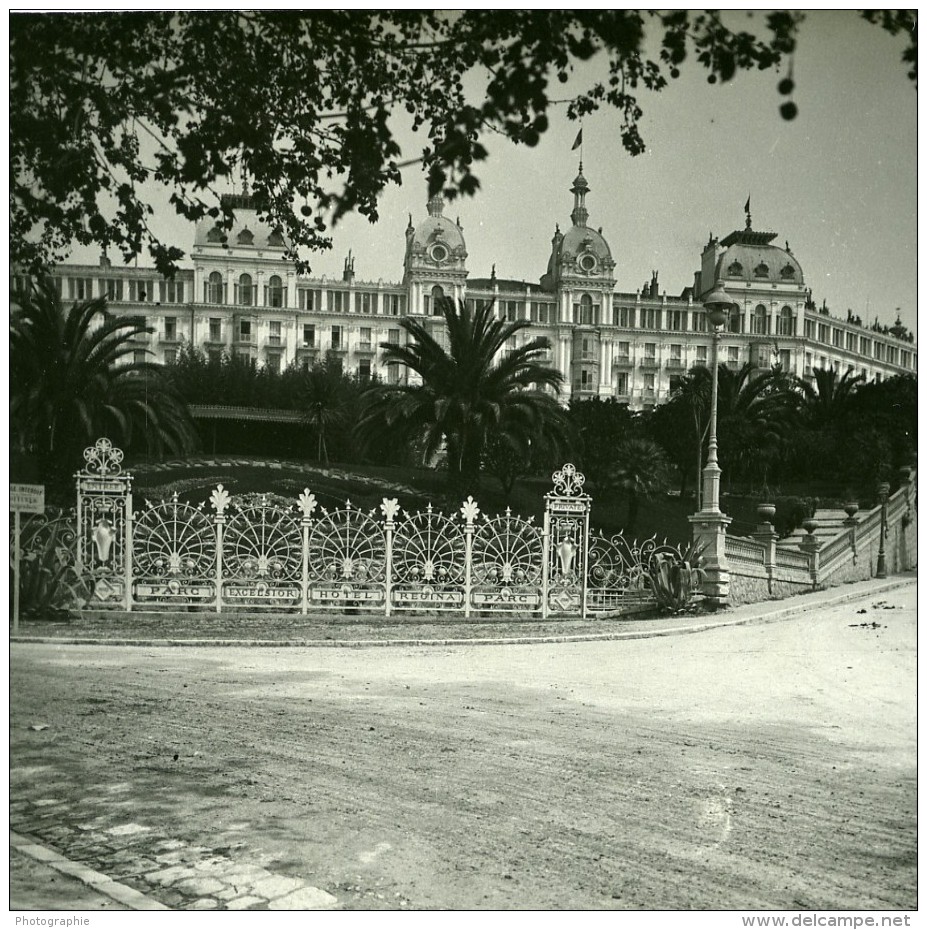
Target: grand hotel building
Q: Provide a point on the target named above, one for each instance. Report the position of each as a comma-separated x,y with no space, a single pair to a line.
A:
243,298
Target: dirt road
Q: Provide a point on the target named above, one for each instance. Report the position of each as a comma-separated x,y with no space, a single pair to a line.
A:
768,766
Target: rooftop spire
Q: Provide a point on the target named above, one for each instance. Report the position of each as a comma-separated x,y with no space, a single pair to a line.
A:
580,188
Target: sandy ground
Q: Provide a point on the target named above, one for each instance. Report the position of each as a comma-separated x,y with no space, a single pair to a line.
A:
768,766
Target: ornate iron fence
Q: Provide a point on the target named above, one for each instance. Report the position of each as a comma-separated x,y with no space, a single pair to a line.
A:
263,552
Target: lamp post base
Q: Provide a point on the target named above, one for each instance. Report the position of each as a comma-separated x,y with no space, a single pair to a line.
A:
709,530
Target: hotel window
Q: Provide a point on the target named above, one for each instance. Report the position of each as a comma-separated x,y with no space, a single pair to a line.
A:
391,304
140,291
621,387
733,355
511,310
809,329
214,288
170,292
215,330
624,316
244,291
393,374
170,356
337,301
759,325
649,382
865,346
624,351
336,337
823,333
677,320
366,335
274,360
650,351
735,322
699,321
785,359
701,355
275,335
363,370
540,312
587,379
434,301
112,287
306,299
392,337
838,338
170,328
650,318
80,288
585,312
785,325
244,330
308,336
676,356
276,296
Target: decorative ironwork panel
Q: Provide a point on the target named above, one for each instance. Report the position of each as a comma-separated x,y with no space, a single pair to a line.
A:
507,560
104,526
619,571
429,563
174,555
566,525
347,561
262,557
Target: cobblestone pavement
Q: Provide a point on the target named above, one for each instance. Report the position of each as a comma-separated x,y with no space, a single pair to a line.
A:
94,834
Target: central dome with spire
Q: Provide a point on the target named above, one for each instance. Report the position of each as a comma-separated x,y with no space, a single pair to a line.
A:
436,240
582,251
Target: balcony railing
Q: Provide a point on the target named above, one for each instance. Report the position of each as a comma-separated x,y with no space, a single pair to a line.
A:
275,343
624,361
675,363
169,338
649,362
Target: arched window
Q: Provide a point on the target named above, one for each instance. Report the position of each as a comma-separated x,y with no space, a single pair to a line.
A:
214,289
275,238
275,291
433,303
761,270
246,237
245,291
215,235
735,269
585,310
787,273
760,321
786,325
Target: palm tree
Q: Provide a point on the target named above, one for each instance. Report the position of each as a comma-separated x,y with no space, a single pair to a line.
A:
74,378
757,412
325,401
825,399
639,470
466,392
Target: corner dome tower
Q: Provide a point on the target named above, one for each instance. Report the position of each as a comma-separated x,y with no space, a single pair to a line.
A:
581,254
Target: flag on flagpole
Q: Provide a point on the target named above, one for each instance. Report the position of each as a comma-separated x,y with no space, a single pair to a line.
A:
747,205
578,142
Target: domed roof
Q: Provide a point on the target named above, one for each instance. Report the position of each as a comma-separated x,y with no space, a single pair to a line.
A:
750,256
583,240
247,230
437,229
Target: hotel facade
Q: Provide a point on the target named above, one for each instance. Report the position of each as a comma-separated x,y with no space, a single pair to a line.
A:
243,298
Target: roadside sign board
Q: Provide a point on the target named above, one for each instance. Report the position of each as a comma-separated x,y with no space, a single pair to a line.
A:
27,498
24,498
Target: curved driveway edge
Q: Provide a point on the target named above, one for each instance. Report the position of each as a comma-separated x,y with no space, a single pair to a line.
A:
788,608
122,894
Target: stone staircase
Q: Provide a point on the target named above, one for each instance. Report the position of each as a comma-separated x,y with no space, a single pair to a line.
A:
830,524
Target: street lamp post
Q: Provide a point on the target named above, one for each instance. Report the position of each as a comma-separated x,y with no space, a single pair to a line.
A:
718,306
709,525
881,570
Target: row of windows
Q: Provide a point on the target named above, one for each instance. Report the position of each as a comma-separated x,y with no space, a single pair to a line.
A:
137,290
736,270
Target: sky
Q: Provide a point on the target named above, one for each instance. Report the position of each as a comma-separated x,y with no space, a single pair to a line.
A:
839,182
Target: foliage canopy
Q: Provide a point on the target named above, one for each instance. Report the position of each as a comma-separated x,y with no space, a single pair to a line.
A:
309,107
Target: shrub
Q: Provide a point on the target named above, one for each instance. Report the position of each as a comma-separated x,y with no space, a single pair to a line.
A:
676,579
